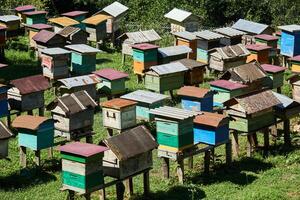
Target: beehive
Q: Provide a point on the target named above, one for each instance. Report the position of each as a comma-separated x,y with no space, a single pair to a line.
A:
96,27
173,53
5,135
35,17
260,53
276,73
288,108
20,10
3,101
195,73
231,36
188,39
295,63
290,40
78,16
61,22
268,40
2,36
82,169
12,24
74,35
34,29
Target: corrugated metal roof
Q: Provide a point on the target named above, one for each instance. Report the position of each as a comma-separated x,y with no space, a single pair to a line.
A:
44,36
229,52
31,84
115,9
257,47
74,13
290,28
169,68
266,37
83,48
55,51
229,32
191,64
143,36
173,113
29,122
145,96
191,91
185,35
63,21
178,15
285,101
296,58
118,103
5,133
24,8
174,51
208,35
272,68
211,119
82,149
41,26
229,85
96,19
144,46
8,18
249,26
37,12
110,74
131,143
79,81
69,30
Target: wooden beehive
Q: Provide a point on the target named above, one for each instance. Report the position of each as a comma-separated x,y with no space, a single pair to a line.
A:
35,17
55,63
195,73
268,40
182,20
196,99
78,83
20,10
251,112
145,55
174,128
34,29
61,22
12,24
27,93
145,101
165,77
83,58
188,39
2,36
129,154
295,63
82,169
278,35
112,81
34,132
276,73
78,16
96,27
296,89
211,128
260,53
3,101
74,35
288,108
290,40
119,114
224,58
5,135
73,112
173,53
231,36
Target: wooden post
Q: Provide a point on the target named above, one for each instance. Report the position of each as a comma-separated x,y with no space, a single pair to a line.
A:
206,161
129,186
123,59
102,194
23,162
254,139
171,94
228,152
212,156
8,120
120,190
87,196
191,162
235,144
249,145
274,133
287,136
50,152
279,90
146,183
180,170
110,132
166,167
41,111
37,155
30,112
71,195
266,141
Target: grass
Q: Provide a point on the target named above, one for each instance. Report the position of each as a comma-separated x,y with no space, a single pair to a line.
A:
274,177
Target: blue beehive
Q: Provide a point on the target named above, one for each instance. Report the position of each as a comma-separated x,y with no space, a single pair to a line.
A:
211,128
196,99
3,101
290,40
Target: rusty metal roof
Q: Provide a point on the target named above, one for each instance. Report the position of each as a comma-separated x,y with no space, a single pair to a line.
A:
273,68
74,13
24,8
257,47
229,85
9,18
118,103
79,81
229,32
173,113
96,19
231,52
83,48
191,91
29,122
145,96
131,143
191,64
37,12
5,133
44,36
266,37
296,58
169,68
174,51
211,119
31,84
178,15
115,9
110,74
185,35
41,27
82,149
144,46
63,21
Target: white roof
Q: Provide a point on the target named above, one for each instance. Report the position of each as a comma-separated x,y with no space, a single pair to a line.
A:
174,50
145,96
178,15
290,28
174,113
115,9
55,51
208,35
79,81
83,48
230,32
8,18
249,26
169,68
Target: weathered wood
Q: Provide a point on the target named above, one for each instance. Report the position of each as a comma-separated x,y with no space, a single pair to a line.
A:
166,167
228,152
102,194
23,156
235,144
212,156
120,188
146,183
255,141
129,186
249,145
110,132
206,161
191,162
41,111
123,59
287,137
274,133
180,170
50,152
37,155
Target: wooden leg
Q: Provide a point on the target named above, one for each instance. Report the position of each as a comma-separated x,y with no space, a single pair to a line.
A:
206,161
249,145
8,120
166,167
266,141
102,194
235,144
180,171
212,156
287,136
129,186
41,111
123,59
228,152
254,139
146,183
87,196
71,195
89,139
30,112
191,162
171,94
37,155
279,90
120,190
50,152
110,132
274,133
23,162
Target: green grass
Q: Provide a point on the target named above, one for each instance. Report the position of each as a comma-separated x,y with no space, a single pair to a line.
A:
274,177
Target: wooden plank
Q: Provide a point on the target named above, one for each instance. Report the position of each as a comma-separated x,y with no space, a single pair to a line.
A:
120,188
206,161
180,170
37,155
228,151
191,162
235,144
287,137
166,167
146,183
129,186
249,145
23,156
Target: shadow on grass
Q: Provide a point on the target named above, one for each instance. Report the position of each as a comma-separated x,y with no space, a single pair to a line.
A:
100,61
235,173
175,193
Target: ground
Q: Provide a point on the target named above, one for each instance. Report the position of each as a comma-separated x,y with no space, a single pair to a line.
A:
276,176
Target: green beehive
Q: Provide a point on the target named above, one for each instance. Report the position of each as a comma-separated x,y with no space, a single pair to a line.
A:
82,169
78,16
35,17
276,73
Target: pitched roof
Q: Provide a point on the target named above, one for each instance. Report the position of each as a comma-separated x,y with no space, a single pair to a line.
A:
190,63
211,119
37,12
74,13
229,52
174,51
96,19
110,74
78,81
8,18
249,26
254,102
208,35
285,102
229,85
296,58
131,143
31,84
5,133
168,68
145,96
257,47
115,9
229,32
41,26
118,103
29,122
63,21
173,113
142,36
69,30
24,8
266,37
290,28
191,91
44,36
55,51
185,35
178,15
83,48
145,46
272,68
82,149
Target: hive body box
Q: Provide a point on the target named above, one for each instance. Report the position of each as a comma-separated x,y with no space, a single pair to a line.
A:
278,35
82,169
173,53
124,159
145,101
196,99
290,40
61,22
260,53
119,114
55,63
296,90
3,101
12,24
96,27
276,73
34,132
165,77
34,29
35,17
211,128
188,39
78,16
83,58
144,56
195,73
268,40
20,10
5,135
232,36
74,35
2,36
288,108
295,62
112,82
